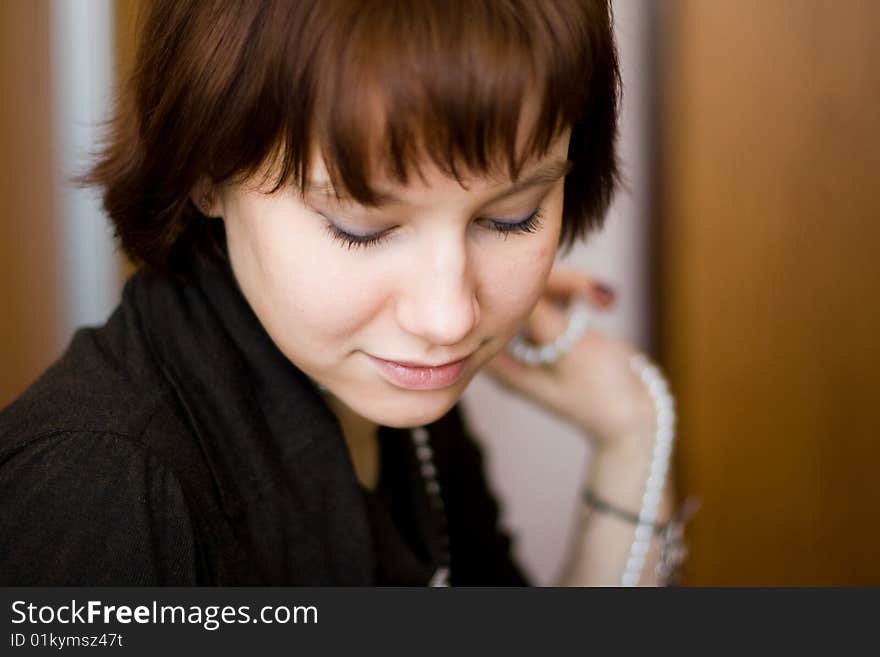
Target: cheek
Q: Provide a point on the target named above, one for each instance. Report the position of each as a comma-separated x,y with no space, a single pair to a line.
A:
517,286
338,299
527,268
309,294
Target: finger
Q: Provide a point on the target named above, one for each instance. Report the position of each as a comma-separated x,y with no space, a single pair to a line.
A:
546,323
535,382
568,280
565,283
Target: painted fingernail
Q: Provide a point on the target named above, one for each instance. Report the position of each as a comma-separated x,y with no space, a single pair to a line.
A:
605,293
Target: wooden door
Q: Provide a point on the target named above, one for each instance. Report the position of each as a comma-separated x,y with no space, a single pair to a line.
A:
29,285
769,284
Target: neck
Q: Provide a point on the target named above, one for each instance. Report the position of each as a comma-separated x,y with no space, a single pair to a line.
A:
350,420
361,438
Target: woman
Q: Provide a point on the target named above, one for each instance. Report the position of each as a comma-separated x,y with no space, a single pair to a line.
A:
343,210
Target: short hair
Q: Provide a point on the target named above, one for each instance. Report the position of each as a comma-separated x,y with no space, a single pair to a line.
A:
221,88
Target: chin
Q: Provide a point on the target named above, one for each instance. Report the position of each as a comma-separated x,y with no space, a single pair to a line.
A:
411,412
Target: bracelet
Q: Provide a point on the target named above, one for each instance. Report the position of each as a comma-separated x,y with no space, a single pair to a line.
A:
632,518
673,547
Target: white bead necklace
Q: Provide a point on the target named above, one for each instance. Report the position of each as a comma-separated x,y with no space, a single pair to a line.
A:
422,444
664,406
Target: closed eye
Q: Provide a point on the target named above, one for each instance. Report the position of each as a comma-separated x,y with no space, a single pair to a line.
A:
531,224
355,241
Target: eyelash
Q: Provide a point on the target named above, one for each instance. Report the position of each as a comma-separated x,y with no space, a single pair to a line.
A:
530,224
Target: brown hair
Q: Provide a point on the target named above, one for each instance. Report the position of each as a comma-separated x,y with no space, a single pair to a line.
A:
220,88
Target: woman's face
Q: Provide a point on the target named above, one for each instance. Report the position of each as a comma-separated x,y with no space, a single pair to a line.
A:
439,274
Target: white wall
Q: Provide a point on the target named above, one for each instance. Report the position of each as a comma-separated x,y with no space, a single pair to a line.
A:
82,60
536,464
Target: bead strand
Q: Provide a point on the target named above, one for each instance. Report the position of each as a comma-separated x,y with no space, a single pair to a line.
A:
546,354
424,453
664,405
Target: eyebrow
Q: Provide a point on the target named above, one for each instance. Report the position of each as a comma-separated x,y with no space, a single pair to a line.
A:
548,172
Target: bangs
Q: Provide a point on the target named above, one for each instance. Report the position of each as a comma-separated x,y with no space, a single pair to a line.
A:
474,88
239,91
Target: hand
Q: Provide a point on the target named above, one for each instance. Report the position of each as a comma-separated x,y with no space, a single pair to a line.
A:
592,385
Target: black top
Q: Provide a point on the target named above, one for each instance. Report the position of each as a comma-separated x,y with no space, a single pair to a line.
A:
176,445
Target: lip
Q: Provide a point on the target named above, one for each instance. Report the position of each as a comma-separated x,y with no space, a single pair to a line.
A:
412,376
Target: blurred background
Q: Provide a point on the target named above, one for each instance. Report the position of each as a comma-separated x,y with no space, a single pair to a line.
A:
745,253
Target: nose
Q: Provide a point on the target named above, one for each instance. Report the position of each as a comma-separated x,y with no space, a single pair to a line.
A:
438,299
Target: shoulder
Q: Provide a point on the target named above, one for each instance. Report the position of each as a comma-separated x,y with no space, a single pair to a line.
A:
104,381
88,494
106,388
90,508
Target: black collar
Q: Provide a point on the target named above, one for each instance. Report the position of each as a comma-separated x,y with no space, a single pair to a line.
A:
276,452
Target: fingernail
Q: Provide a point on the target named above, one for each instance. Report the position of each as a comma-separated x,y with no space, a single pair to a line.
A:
605,293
